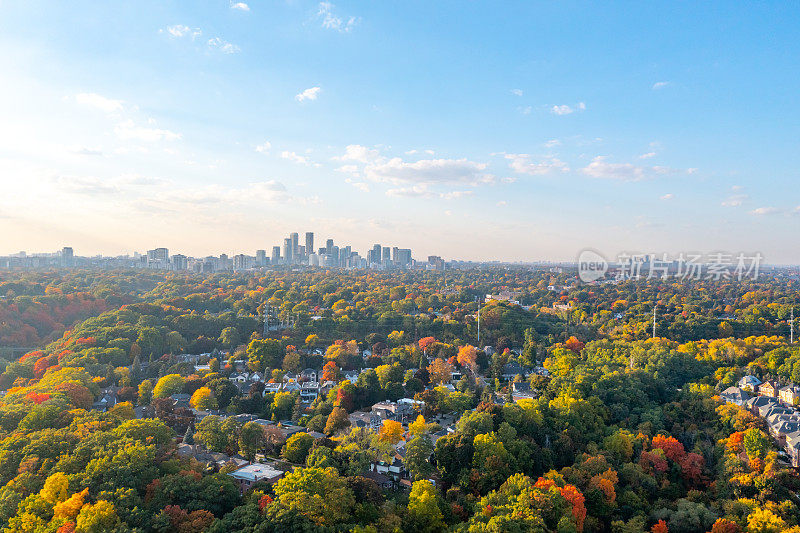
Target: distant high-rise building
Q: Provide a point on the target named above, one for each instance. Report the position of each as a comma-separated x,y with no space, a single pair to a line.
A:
287,250
179,262
158,258
309,242
328,246
261,258
295,247
67,256
386,255
402,258
435,262
276,255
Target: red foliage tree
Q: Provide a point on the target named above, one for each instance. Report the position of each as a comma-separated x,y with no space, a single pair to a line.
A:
660,527
672,448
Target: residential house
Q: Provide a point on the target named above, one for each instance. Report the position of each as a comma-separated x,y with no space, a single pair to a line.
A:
106,401
309,391
249,475
237,377
790,394
768,388
749,383
512,370
360,419
351,376
735,395
792,447
521,390
181,400
272,387
309,374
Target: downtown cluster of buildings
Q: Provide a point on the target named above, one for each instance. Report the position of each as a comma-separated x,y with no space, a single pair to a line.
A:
292,253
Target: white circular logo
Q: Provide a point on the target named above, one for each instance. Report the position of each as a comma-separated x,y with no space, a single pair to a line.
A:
591,266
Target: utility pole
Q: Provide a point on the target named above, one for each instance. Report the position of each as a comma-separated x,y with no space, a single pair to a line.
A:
654,321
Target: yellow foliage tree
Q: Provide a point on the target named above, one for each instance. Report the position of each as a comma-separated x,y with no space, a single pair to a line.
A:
391,432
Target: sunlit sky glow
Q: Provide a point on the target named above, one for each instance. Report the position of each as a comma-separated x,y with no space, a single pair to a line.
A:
471,130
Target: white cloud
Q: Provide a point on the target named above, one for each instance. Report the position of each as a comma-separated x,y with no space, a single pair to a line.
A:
660,85
763,211
552,143
734,200
297,158
516,92
454,195
648,155
264,147
501,203
566,110
107,105
599,168
240,6
526,110
522,163
417,191
180,30
129,130
360,185
357,152
668,196
334,22
308,94
223,46
428,171
348,169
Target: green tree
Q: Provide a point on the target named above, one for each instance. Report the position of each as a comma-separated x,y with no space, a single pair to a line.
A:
297,446
168,385
423,507
319,494
251,440
145,392
418,453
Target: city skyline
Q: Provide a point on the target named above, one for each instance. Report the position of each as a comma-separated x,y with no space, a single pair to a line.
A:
526,132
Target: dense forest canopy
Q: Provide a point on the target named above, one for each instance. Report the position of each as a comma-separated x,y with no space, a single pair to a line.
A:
564,415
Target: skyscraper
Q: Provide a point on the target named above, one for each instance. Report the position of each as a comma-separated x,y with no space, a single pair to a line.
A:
309,242
261,258
276,255
295,247
287,251
67,256
328,246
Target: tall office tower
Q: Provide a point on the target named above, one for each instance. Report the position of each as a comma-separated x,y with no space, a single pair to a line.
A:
67,256
261,258
276,255
328,246
295,247
179,262
386,255
344,256
309,242
394,254
403,257
158,258
333,252
287,251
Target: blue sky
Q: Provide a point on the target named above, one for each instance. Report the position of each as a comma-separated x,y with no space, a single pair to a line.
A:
472,130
